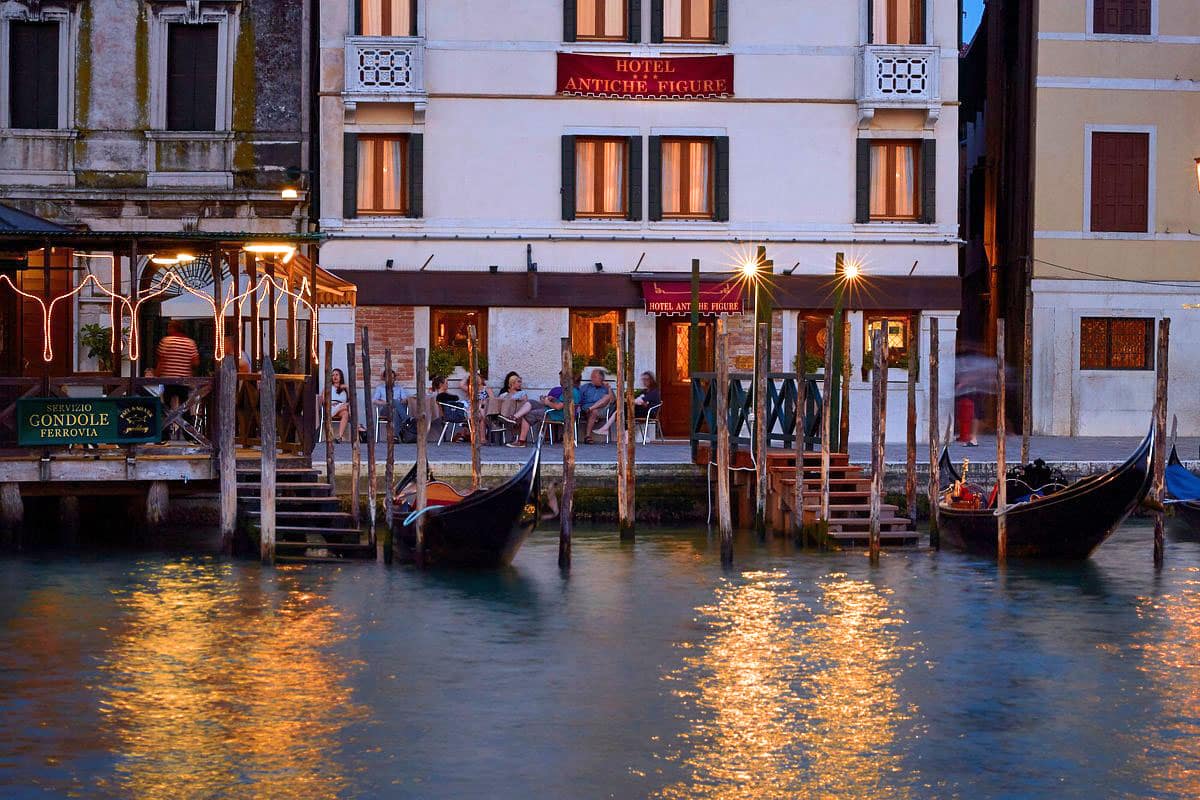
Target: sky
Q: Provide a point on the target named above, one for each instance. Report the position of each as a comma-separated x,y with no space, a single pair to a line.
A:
972,10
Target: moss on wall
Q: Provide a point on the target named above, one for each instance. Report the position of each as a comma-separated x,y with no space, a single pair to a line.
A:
83,69
244,96
97,179
141,65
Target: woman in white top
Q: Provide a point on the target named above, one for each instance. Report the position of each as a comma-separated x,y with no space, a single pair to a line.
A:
339,399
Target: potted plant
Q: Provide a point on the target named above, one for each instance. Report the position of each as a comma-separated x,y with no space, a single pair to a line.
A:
97,339
452,363
813,364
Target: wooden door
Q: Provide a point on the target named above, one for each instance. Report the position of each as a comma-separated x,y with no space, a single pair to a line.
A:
674,378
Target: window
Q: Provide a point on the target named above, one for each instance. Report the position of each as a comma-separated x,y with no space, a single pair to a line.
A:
192,77
600,20
897,339
687,178
448,327
688,20
1129,17
894,171
1116,343
33,74
1120,182
594,334
382,171
600,177
387,17
898,22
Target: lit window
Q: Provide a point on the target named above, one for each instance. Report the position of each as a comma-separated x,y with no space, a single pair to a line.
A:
897,339
899,22
600,166
387,17
687,178
449,327
688,20
1116,343
600,19
381,174
594,334
894,190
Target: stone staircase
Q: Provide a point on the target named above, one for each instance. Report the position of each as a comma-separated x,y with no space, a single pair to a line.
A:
849,500
309,523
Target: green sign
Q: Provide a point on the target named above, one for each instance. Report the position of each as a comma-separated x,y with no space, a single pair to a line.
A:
88,420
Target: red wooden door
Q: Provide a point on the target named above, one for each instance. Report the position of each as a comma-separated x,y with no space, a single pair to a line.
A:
675,380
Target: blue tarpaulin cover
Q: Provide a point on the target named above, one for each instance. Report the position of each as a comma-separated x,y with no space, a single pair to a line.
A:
1181,484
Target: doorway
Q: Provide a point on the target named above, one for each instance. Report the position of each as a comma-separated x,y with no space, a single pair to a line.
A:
674,377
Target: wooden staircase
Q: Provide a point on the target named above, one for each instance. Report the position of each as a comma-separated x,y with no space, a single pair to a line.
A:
849,500
309,523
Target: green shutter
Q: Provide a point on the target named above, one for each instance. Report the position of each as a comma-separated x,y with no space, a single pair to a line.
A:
721,21
570,18
635,178
416,175
633,13
568,177
656,21
862,181
412,17
928,181
350,176
654,177
356,10
721,206
870,21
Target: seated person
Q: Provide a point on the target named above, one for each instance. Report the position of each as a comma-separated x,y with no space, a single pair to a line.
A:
398,404
553,400
451,408
339,400
650,397
594,397
527,410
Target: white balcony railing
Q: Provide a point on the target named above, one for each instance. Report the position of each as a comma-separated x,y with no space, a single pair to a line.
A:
899,76
385,67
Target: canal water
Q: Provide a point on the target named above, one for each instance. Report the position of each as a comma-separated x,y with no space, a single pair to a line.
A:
649,672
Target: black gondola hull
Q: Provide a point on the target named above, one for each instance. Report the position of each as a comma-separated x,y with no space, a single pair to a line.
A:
484,529
1069,524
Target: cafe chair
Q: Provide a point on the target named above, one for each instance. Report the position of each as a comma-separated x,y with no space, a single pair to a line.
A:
651,418
462,417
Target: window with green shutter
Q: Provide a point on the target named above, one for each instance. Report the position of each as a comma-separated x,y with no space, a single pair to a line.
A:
33,74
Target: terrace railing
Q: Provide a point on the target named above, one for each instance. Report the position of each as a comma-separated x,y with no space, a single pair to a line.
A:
781,412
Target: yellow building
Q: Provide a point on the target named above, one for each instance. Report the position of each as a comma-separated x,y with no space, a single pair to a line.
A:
1111,242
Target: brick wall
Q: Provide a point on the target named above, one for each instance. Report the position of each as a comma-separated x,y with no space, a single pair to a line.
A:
389,327
741,342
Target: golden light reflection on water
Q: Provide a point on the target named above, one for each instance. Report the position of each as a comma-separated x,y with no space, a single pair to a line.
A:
227,688
1170,652
790,701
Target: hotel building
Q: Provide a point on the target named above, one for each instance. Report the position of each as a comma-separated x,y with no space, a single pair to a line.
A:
552,168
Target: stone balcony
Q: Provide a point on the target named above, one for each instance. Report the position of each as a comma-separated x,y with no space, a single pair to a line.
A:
899,76
385,69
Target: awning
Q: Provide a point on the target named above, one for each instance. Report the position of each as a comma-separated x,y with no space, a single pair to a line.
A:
675,297
331,290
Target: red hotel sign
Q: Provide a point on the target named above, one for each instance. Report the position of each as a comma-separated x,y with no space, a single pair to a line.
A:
650,78
675,297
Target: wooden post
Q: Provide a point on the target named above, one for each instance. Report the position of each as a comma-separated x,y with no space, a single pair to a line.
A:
226,452
422,452
694,339
389,466
355,455
476,426
763,353
1027,376
1160,436
371,429
12,509
724,513
879,434
1001,446
256,358
566,507
158,499
910,466
272,312
844,408
330,474
826,422
266,411
935,478
798,434
624,524
630,434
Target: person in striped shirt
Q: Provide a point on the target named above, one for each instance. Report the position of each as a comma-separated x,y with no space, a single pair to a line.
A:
178,357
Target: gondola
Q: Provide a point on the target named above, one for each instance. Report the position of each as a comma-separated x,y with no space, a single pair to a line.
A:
1183,491
1067,522
484,528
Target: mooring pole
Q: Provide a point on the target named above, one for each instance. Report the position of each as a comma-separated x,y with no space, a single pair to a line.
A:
330,477
372,428
422,452
355,455
910,434
879,435
694,340
799,427
1027,376
622,424
383,550
935,477
844,423
226,449
475,426
1160,437
724,514
762,355
826,424
1001,447
266,427
630,433
566,507
833,389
